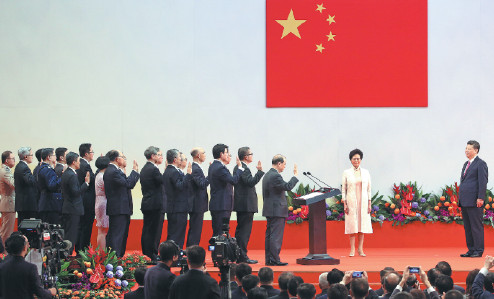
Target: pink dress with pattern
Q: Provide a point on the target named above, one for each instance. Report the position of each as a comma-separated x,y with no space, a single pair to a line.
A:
102,220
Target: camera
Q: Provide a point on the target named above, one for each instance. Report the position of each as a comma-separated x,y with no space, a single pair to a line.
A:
224,249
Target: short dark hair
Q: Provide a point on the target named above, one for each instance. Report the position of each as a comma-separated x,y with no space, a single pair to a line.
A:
335,276
385,271
337,291
46,152
474,144
139,274
37,154
444,283
112,155
84,149
150,151
167,250
306,291
453,294
283,280
277,159
257,293
390,282
444,268
432,275
411,280
196,255
242,270
102,162
403,295
71,158
359,287
293,285
59,152
194,152
356,152
242,152
417,294
469,281
15,244
171,154
266,275
218,149
249,282
488,281
5,156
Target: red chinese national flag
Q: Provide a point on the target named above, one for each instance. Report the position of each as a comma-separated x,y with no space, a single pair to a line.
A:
346,53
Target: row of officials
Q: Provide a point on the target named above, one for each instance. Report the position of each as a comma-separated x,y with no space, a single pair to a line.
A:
61,190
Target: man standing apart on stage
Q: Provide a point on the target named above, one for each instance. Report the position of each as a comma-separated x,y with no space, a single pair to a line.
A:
199,197
275,208
245,202
474,176
221,180
119,200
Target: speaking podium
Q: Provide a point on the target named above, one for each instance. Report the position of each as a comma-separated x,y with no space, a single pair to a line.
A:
317,227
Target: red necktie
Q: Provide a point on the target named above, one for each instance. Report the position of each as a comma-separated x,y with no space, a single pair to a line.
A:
468,165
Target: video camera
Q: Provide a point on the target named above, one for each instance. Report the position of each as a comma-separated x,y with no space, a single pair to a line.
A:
224,249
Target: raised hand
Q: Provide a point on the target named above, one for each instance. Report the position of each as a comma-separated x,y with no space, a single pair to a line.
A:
87,178
135,166
189,168
259,165
295,170
239,164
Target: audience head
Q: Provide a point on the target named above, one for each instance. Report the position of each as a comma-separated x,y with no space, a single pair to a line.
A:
222,152
139,274
444,283
25,154
385,271
337,291
444,268
37,154
198,154
335,276
391,280
102,162
48,155
488,282
432,275
60,154
168,250
249,282
73,160
293,285
403,295
86,151
279,162
306,291
412,281
359,288
8,159
323,281
244,154
266,275
196,256
417,294
16,244
257,293
469,281
242,270
283,280
453,294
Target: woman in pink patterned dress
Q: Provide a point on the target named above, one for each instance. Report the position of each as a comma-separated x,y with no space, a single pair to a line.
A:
102,220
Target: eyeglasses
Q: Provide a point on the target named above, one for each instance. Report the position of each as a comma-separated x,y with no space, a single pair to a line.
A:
250,154
91,153
11,158
123,157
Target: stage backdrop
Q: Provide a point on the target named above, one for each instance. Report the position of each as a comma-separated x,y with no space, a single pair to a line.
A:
179,74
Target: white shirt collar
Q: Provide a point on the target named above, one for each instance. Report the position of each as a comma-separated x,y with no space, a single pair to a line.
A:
73,169
220,161
471,161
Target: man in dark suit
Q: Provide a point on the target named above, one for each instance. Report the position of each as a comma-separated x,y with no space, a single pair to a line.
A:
50,200
195,284
221,182
275,208
86,224
119,200
283,280
198,196
266,277
474,176
484,279
72,192
139,275
60,154
176,189
152,202
26,189
245,201
18,278
159,278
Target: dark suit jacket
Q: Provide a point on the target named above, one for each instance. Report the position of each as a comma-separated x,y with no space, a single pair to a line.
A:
117,189
478,291
19,279
26,189
49,185
153,197
72,193
238,293
194,285
245,196
198,190
282,295
176,189
89,196
271,290
473,184
221,182
137,294
273,193
157,281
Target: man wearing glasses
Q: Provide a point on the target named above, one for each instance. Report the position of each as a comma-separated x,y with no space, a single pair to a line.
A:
26,190
50,200
7,195
86,154
119,205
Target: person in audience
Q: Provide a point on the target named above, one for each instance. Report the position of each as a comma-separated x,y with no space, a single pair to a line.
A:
306,291
391,280
444,283
445,268
323,285
293,285
399,292
159,278
50,200
349,278
382,274
359,288
412,282
469,282
7,195
337,291
26,190
199,197
195,284
233,282
417,294
483,285
432,275
453,294
249,282
257,293
403,295
266,277
335,276
86,224
139,275
60,154
241,270
283,280
102,220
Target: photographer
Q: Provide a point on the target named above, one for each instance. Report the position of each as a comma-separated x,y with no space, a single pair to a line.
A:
159,278
18,278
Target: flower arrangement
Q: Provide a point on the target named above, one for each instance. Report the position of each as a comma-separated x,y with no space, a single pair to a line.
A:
298,213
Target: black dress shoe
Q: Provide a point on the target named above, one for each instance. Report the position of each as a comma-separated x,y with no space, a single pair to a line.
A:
279,263
249,261
477,254
468,254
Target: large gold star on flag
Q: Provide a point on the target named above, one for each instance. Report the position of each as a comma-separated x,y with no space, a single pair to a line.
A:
290,25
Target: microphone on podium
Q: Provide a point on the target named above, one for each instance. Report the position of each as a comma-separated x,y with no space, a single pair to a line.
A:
307,175
319,180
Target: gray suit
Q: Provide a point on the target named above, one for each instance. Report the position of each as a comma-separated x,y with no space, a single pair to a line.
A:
7,199
275,209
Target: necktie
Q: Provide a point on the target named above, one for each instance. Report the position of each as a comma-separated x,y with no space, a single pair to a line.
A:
468,165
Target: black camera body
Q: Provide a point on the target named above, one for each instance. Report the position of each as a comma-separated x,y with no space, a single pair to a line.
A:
224,249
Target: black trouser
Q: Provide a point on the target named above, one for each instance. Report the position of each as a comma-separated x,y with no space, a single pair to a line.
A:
70,224
217,220
118,231
85,229
195,228
274,238
474,228
22,215
177,224
150,228
52,217
242,232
